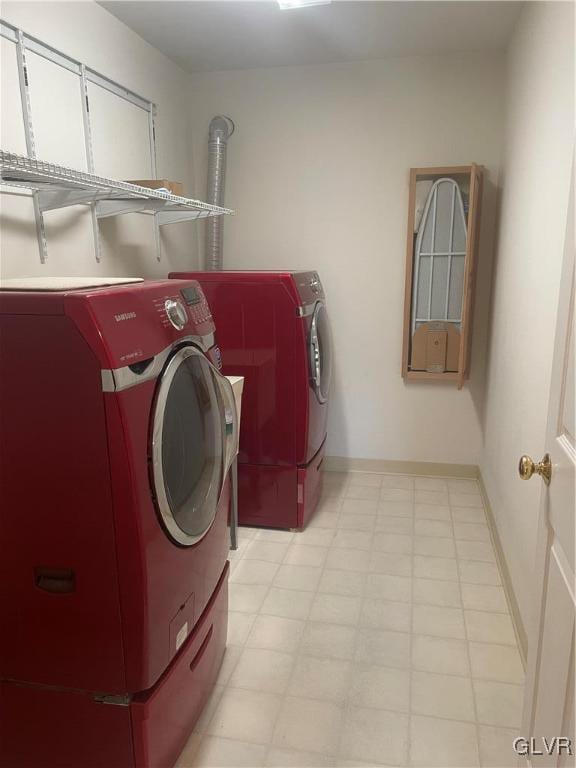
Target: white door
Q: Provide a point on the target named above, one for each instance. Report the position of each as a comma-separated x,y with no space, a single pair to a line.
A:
549,703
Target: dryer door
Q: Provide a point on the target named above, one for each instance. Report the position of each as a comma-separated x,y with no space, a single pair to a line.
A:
320,352
188,446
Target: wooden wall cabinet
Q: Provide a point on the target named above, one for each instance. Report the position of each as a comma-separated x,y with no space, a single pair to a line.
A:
441,255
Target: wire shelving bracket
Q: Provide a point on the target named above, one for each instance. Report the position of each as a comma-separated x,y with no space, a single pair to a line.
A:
55,187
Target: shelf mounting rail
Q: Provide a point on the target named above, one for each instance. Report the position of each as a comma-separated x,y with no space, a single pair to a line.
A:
55,186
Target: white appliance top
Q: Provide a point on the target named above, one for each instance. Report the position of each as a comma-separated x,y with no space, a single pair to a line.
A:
62,283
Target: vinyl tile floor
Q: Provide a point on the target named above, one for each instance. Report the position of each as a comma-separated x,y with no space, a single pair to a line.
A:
380,635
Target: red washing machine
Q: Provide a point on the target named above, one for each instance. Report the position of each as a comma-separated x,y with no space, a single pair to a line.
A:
117,430
273,329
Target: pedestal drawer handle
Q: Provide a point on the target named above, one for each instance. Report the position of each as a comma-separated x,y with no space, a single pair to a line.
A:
196,660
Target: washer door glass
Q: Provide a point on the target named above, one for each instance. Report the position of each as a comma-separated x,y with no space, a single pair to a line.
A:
321,352
187,446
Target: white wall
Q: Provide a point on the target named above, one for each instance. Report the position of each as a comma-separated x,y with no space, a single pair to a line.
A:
538,158
87,32
318,175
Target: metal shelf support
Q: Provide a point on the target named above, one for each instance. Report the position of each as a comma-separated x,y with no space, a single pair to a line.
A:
89,155
152,138
29,137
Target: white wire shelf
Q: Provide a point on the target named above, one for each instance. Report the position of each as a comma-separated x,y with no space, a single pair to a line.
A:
57,187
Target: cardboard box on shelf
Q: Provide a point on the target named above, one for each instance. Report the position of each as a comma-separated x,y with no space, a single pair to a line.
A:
175,187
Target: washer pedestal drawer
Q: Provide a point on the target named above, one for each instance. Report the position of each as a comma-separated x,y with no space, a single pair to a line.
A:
163,718
46,727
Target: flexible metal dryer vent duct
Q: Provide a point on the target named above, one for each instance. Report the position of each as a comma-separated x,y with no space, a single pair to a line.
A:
221,128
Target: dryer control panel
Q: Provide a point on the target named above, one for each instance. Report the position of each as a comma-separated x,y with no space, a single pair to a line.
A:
309,287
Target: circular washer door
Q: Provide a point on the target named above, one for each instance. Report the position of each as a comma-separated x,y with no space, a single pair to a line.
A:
187,446
321,352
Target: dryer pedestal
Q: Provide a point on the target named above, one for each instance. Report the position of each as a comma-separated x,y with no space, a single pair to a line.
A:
46,727
309,487
279,497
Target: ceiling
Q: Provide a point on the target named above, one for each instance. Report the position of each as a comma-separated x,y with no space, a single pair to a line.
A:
204,35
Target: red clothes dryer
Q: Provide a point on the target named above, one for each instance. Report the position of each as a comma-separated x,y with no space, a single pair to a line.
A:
273,329
116,434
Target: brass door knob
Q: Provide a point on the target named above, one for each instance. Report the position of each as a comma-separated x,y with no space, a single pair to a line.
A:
526,468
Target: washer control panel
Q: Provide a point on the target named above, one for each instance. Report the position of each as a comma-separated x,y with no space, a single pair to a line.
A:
176,312
197,304
185,310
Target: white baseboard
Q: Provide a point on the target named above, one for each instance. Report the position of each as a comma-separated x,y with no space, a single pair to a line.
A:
346,464
519,628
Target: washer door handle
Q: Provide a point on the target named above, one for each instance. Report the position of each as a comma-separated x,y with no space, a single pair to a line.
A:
316,374
230,420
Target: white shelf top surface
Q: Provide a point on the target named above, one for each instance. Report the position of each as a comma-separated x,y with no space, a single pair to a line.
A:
59,187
